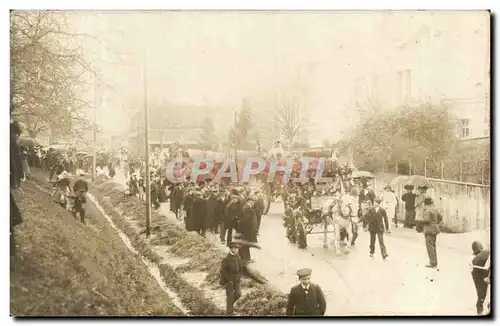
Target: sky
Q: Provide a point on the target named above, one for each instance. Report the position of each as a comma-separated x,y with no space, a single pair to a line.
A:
218,58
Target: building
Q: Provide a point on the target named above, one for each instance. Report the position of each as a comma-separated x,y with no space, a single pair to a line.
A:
170,123
437,67
473,116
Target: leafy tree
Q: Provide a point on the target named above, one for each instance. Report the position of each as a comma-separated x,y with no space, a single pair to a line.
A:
407,133
208,137
239,133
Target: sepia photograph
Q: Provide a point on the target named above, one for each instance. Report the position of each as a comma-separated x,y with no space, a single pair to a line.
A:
244,163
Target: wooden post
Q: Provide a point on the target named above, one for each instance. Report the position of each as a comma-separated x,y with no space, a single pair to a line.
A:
409,166
396,167
461,172
146,143
442,169
425,167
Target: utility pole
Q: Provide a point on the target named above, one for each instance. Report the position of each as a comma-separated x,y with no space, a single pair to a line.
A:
235,142
146,141
94,128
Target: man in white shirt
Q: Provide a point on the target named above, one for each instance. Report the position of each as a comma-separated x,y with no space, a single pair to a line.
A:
389,203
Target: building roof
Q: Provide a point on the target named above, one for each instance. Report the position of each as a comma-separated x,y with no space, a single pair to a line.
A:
189,136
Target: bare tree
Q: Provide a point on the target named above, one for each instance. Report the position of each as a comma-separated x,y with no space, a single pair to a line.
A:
48,72
290,119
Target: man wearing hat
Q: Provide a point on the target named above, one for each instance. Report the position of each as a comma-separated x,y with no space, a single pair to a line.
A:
419,208
365,199
230,276
408,199
248,227
375,219
305,298
232,214
430,223
259,208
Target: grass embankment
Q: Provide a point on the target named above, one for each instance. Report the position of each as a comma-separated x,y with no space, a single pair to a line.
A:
65,268
203,257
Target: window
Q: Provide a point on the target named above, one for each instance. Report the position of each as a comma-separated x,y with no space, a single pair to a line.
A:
465,130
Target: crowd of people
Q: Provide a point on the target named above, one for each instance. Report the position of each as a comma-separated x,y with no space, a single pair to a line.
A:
235,212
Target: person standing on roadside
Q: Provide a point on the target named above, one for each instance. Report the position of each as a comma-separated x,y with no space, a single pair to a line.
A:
419,208
16,175
390,204
306,298
430,223
480,274
376,218
230,276
408,199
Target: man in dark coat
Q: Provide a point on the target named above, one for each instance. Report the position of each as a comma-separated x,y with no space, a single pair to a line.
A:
366,200
58,168
375,219
248,228
176,198
419,208
232,214
197,217
230,276
154,192
259,209
186,205
162,195
211,201
430,223
16,174
480,274
16,156
409,199
173,189
306,298
219,207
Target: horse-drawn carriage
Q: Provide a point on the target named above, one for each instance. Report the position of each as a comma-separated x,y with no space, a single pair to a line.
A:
326,208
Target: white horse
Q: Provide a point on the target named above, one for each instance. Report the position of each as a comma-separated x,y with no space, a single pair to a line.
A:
341,213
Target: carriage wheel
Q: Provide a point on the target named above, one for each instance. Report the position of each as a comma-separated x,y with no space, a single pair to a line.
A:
301,235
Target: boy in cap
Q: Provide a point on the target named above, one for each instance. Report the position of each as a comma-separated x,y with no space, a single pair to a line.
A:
230,276
375,219
306,298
